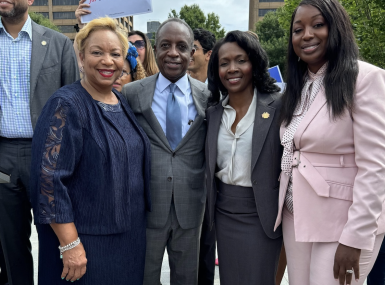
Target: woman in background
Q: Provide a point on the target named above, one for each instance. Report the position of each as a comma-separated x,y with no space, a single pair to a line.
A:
333,132
243,154
146,54
132,69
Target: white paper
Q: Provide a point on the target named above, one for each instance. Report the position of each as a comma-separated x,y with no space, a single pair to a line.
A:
116,8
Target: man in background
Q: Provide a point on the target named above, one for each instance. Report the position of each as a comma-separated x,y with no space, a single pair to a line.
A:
34,62
204,42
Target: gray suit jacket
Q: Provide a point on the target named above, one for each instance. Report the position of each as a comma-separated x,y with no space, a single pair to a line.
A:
265,160
53,65
178,173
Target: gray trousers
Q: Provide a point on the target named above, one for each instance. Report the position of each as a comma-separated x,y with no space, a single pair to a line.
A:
15,210
247,256
182,248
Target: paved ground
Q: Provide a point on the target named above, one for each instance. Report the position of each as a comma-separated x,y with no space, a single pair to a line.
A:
165,278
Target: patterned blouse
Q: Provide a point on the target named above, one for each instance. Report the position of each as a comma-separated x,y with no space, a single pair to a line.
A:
313,84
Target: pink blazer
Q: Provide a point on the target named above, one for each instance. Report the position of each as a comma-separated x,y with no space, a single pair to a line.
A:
339,173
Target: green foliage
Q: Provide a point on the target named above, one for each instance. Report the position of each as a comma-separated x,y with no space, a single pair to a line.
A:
41,20
196,18
273,40
367,17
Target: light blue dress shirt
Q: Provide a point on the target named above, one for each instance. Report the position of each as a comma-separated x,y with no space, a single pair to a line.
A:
182,94
15,63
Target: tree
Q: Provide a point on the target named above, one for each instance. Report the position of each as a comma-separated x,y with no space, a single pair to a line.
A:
367,18
41,20
273,40
196,18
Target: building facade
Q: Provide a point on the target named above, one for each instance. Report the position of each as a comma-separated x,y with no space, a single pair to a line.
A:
62,14
259,8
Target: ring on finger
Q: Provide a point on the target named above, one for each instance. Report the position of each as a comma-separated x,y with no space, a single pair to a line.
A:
349,271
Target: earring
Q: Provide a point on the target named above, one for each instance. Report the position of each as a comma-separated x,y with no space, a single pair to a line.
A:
81,69
299,59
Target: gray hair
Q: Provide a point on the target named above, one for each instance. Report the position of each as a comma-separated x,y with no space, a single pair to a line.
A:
177,20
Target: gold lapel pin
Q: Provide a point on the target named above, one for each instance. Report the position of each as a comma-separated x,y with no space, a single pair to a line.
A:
43,43
265,115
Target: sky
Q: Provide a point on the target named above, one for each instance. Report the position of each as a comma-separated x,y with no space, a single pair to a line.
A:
233,14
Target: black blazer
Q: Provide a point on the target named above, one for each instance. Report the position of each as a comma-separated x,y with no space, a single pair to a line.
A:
265,162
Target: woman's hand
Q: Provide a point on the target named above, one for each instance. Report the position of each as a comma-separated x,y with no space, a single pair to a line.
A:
346,258
74,263
80,11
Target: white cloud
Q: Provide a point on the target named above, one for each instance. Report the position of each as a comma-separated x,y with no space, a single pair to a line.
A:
233,14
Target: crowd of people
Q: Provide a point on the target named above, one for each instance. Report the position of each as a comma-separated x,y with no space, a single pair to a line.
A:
124,150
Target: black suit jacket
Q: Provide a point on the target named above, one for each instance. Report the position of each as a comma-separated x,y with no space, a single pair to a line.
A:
265,162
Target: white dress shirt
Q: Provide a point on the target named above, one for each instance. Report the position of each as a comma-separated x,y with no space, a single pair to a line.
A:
182,94
234,150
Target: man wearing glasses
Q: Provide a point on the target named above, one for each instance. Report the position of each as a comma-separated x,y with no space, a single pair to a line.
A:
204,42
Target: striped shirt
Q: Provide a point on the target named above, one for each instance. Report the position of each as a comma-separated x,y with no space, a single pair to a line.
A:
15,62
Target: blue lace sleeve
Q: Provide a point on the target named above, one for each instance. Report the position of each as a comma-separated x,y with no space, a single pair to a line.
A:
49,163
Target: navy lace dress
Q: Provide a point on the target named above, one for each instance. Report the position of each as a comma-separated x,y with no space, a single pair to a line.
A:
91,166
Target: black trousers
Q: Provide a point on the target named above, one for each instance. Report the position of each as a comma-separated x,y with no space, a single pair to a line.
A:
3,268
206,271
377,275
15,210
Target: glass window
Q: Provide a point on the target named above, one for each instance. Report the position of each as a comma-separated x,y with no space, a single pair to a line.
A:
40,3
263,12
45,14
67,29
65,2
63,15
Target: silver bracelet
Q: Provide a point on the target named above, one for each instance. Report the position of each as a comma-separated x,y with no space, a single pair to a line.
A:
68,247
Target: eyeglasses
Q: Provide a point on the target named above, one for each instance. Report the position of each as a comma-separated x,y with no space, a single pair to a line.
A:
198,48
139,44
125,73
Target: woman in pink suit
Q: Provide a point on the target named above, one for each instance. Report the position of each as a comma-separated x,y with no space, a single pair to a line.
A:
332,185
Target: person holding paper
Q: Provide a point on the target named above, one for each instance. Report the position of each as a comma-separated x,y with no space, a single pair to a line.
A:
170,106
91,172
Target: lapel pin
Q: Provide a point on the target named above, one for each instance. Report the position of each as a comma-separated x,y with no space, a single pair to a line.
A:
265,115
43,43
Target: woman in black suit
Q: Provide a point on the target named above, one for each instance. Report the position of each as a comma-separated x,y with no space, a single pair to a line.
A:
243,155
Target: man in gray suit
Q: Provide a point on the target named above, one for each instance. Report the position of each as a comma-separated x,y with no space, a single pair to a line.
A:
34,63
170,107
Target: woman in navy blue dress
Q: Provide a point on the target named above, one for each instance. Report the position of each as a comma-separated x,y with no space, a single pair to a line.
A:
90,173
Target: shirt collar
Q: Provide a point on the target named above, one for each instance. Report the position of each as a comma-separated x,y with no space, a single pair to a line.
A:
27,28
183,84
226,100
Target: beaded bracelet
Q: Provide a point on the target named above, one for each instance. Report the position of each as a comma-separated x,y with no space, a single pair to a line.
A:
68,247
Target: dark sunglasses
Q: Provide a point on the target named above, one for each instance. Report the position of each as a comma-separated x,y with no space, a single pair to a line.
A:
139,44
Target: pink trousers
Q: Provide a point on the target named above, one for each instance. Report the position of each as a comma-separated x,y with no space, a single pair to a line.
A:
311,263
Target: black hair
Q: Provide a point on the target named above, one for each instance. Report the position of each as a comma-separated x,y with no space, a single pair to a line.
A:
259,61
205,38
177,20
342,71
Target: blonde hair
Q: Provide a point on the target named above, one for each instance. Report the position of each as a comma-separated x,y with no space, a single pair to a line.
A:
149,63
140,72
97,25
